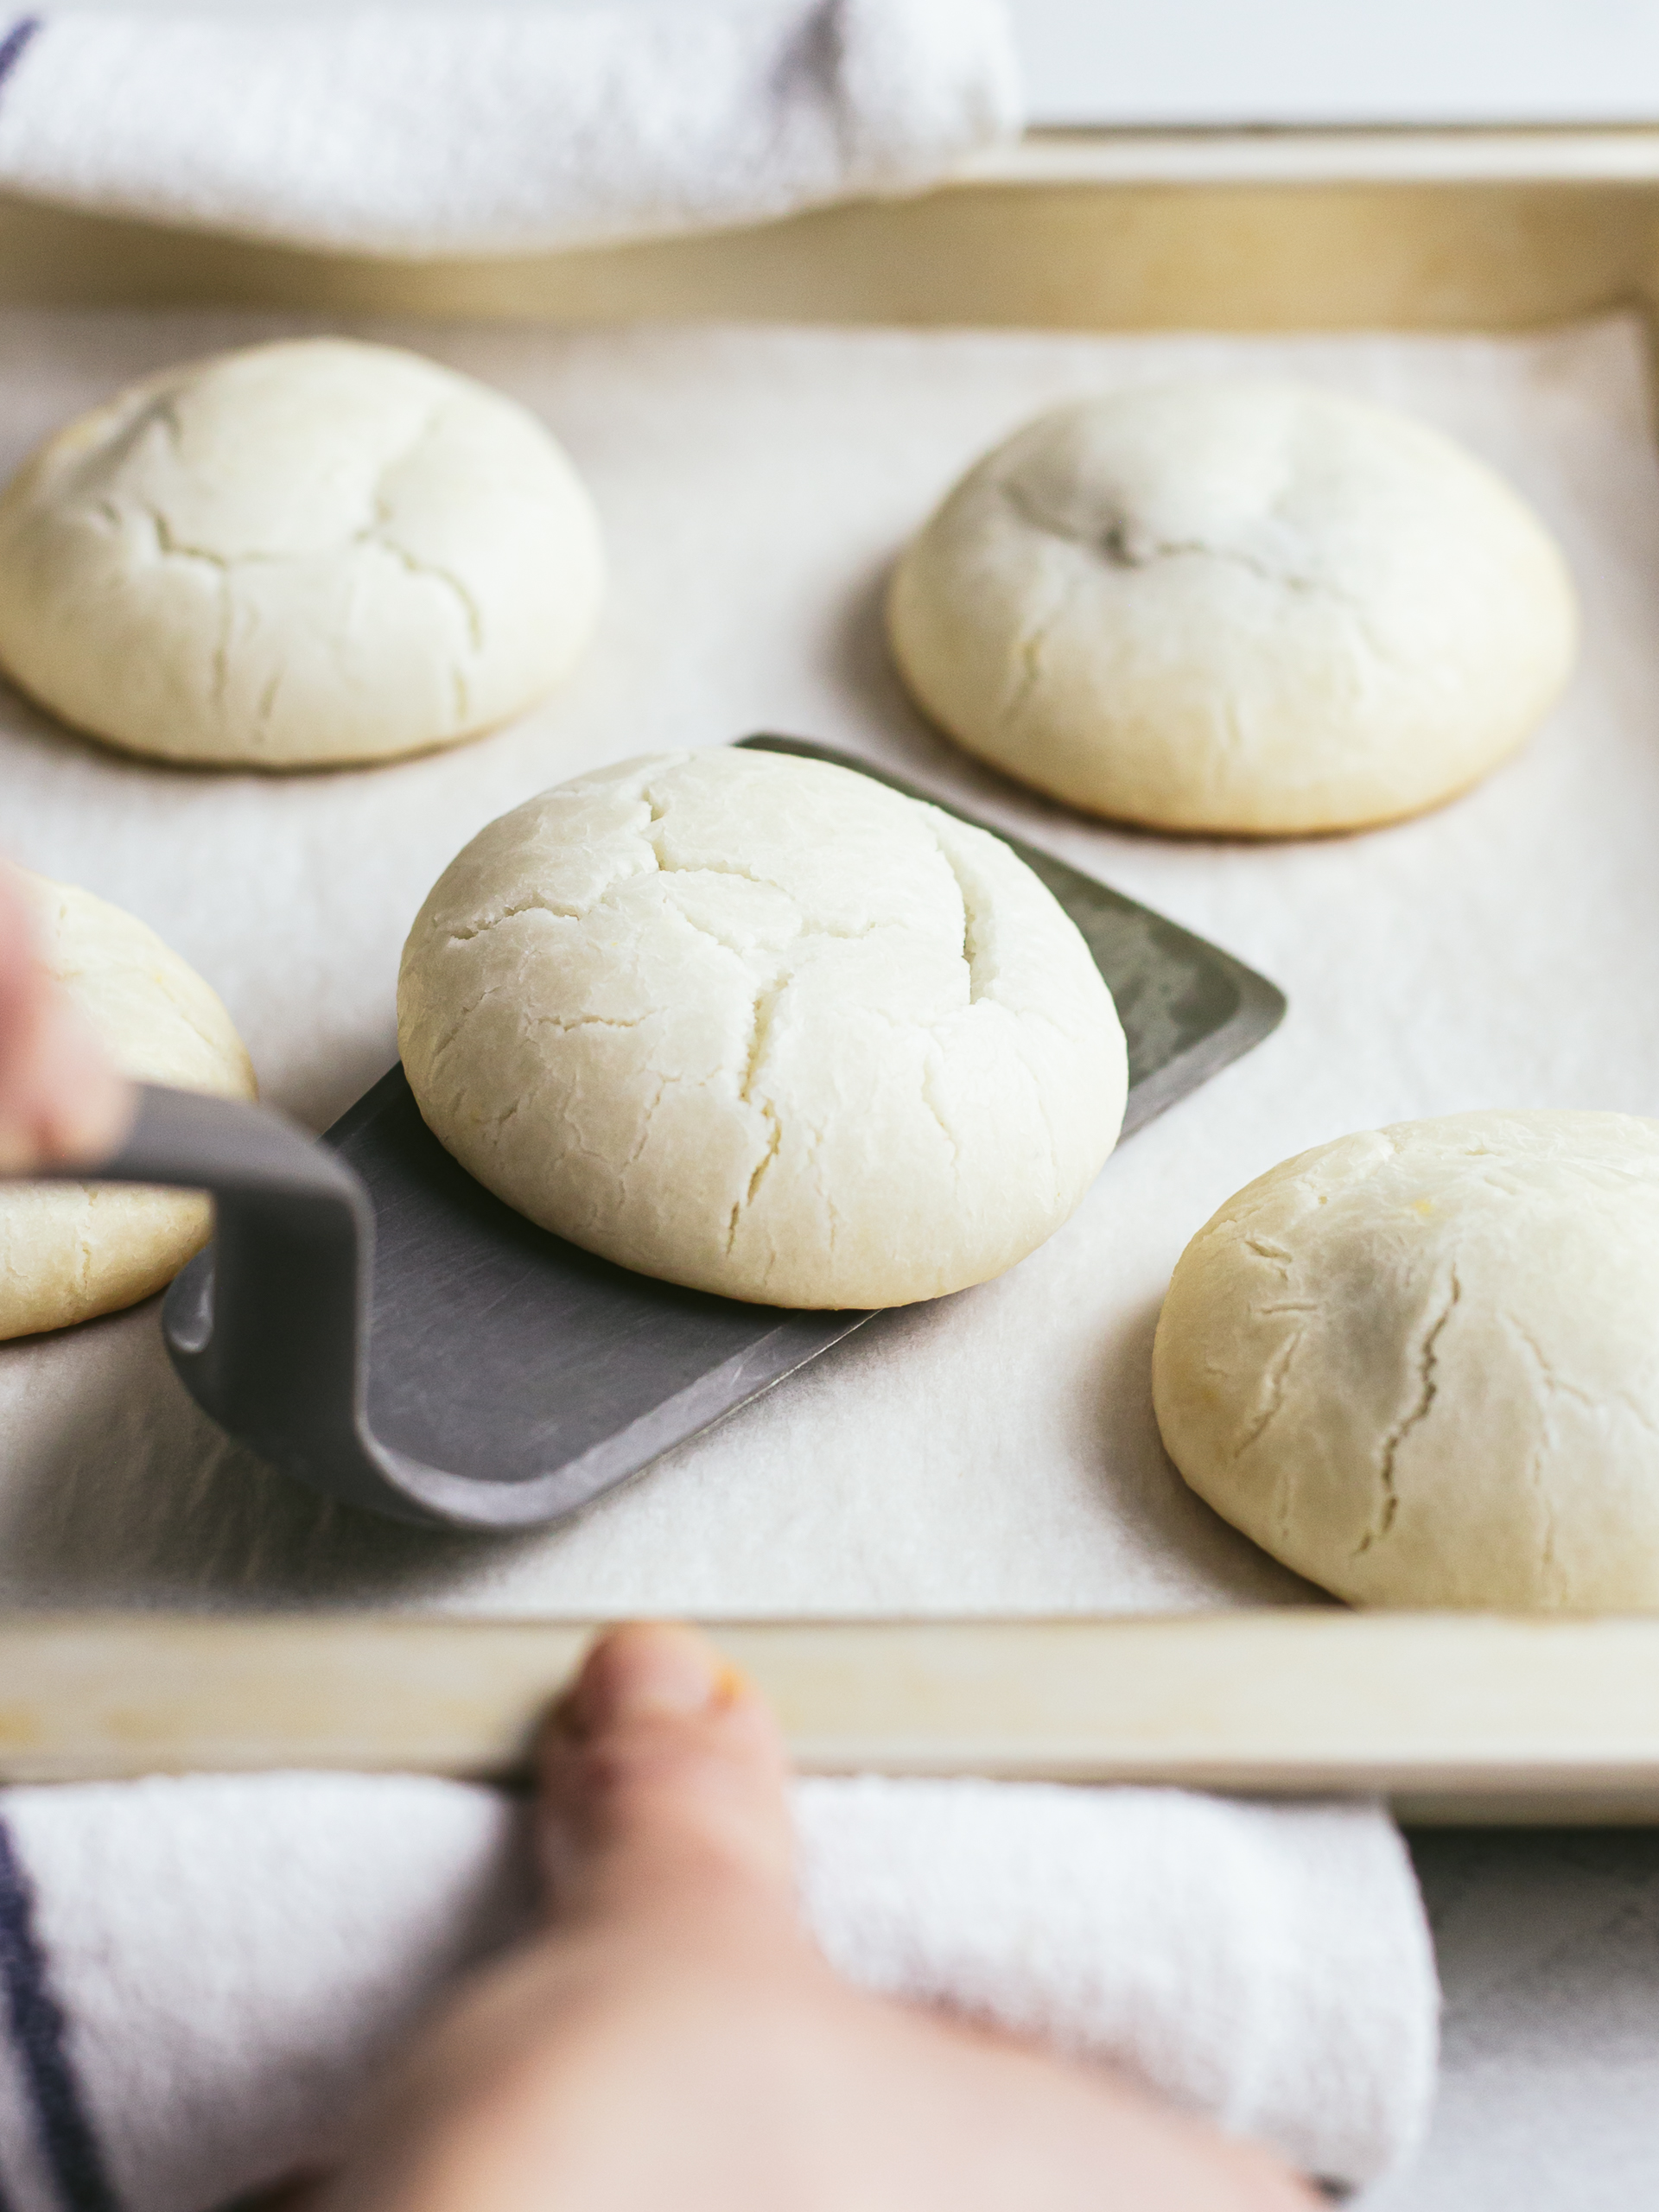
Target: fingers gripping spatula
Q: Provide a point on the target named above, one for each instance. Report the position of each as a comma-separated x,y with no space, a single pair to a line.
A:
371,1319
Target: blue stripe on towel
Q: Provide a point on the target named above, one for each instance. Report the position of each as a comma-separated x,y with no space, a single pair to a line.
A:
11,47
39,2037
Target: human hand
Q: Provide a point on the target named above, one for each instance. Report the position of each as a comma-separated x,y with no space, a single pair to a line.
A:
674,2039
61,1103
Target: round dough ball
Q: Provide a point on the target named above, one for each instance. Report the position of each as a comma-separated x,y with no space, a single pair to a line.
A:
296,555
1235,608
1421,1365
70,1250
763,1027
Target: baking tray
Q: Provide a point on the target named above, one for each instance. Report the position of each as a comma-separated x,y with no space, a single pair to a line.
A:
1465,1718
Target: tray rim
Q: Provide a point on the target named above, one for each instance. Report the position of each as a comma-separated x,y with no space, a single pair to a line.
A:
1612,153
855,261
1450,1717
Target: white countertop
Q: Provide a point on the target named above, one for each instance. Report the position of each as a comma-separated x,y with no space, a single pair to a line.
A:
1549,1945
1335,61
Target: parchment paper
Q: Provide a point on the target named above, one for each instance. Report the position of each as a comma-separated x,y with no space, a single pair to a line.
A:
995,1451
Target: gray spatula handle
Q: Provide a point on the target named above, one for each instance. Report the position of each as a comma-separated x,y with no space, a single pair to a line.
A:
270,1332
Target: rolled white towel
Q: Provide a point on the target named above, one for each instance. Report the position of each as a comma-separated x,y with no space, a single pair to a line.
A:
199,1975
1268,1966
483,131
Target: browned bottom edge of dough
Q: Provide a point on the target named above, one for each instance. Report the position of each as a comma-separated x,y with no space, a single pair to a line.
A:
1216,832
116,1301
186,764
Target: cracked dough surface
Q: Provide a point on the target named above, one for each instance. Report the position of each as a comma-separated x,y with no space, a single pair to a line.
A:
71,1250
763,1027
1421,1365
294,556
1251,608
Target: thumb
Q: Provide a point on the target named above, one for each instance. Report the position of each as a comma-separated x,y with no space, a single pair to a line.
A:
61,1101
662,1784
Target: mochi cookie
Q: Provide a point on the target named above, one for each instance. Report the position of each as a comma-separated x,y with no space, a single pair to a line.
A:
70,1250
1421,1364
1235,608
763,1027
296,555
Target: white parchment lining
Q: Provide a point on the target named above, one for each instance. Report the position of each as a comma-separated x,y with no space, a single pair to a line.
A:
995,1451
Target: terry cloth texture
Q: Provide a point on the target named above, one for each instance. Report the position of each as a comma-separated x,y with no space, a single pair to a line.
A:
417,132
200,1974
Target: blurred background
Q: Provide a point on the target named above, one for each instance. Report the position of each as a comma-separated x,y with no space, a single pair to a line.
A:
1167,63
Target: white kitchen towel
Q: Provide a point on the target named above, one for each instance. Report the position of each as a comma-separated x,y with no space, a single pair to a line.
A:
498,132
200,1974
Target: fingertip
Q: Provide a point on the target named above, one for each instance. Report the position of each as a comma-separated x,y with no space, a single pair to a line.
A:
87,1109
643,1670
17,931
660,1765
62,1102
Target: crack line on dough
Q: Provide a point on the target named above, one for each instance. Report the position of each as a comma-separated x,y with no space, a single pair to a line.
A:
763,883
971,951
760,1020
472,613
535,904
1551,1380
1555,1381
564,1021
814,1138
1124,547
376,531
447,1041
929,1073
664,1083
1427,1386
1278,1378
1275,1253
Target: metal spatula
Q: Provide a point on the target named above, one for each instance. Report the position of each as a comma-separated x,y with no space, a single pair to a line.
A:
371,1319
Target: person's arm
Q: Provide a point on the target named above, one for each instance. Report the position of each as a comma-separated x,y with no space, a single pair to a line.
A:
672,2039
62,1104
